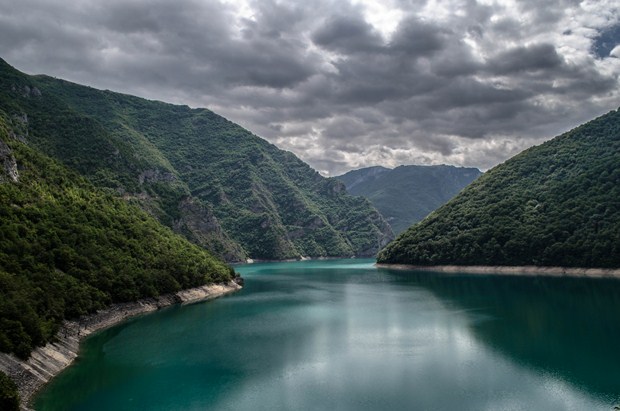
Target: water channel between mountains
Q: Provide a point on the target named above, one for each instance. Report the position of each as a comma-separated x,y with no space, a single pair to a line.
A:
346,335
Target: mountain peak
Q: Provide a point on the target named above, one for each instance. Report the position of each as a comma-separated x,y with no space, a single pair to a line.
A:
407,193
212,181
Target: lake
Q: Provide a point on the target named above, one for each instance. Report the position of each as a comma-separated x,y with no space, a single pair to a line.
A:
345,335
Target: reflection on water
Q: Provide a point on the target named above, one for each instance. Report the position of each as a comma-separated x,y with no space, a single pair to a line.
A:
343,335
562,326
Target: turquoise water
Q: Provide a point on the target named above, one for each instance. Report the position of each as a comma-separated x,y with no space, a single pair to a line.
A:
344,335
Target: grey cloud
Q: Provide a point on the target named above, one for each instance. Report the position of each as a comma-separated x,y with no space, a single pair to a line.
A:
544,12
469,92
261,64
320,80
418,38
584,82
526,58
504,28
363,80
159,16
412,4
351,130
348,34
456,61
195,34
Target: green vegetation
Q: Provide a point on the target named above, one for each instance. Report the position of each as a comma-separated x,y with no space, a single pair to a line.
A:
166,157
83,172
407,194
9,397
87,178
68,249
108,152
207,178
557,204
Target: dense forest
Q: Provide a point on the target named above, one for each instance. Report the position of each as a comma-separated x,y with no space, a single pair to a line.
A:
557,204
68,248
85,186
207,178
406,194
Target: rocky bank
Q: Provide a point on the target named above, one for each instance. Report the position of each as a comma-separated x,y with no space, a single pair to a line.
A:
46,362
528,270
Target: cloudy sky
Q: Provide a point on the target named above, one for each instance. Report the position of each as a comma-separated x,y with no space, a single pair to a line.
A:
343,83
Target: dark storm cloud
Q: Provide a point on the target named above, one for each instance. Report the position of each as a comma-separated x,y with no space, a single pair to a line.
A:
417,38
525,58
154,41
336,82
348,34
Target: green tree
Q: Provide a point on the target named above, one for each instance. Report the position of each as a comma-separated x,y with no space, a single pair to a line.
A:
9,397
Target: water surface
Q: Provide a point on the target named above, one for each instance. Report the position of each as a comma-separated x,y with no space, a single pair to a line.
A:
344,335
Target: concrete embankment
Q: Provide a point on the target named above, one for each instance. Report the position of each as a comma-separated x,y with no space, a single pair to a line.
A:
46,362
513,270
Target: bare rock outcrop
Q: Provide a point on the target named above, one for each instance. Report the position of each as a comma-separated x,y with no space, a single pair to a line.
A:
156,176
8,164
198,223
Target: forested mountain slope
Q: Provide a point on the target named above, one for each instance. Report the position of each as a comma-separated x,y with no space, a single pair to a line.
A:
557,204
68,248
406,194
111,156
211,180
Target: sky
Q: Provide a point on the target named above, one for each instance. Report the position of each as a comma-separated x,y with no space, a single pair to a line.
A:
343,84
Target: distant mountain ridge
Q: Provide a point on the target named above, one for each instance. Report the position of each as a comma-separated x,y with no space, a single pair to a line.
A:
356,180
207,178
556,204
406,194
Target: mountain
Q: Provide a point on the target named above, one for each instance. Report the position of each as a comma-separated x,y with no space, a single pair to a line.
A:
207,178
557,204
407,194
68,248
356,180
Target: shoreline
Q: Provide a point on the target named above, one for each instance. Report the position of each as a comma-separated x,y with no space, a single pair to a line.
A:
292,260
526,270
48,361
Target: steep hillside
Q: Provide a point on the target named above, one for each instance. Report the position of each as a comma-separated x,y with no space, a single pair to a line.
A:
270,202
557,204
180,163
112,157
67,248
407,194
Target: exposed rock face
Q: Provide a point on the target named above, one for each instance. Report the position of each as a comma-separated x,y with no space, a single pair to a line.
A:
258,192
46,362
155,176
19,127
199,225
384,236
28,92
8,165
334,187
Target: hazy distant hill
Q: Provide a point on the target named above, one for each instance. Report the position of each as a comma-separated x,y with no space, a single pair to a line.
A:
407,194
557,204
209,179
